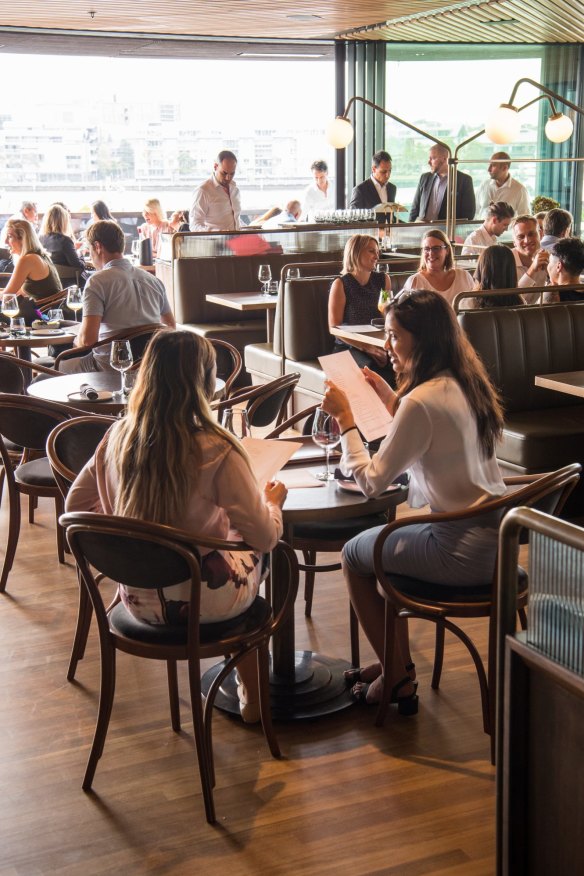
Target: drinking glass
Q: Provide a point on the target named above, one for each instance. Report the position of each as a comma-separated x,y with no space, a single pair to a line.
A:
121,359
325,433
383,301
264,276
75,299
293,273
136,249
10,308
56,315
236,421
17,327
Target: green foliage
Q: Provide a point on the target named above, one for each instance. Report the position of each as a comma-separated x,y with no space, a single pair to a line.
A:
541,204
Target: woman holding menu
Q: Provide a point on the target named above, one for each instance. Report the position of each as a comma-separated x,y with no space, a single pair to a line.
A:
446,422
168,462
354,299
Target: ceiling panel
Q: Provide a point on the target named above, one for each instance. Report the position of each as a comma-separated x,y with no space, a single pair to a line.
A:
282,21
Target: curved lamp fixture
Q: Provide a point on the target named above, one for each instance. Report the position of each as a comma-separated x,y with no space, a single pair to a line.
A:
339,131
504,123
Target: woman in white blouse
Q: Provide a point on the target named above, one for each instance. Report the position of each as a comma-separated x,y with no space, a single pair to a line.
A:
446,421
437,271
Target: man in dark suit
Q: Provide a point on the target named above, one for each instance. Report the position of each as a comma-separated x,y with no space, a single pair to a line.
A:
430,199
377,189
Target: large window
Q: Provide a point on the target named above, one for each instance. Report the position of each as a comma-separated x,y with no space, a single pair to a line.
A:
449,91
79,128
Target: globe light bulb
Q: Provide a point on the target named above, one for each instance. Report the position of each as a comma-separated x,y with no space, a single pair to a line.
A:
339,132
559,128
503,124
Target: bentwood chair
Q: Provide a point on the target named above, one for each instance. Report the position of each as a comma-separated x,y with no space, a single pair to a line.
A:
69,446
147,555
408,597
26,422
229,363
264,404
138,336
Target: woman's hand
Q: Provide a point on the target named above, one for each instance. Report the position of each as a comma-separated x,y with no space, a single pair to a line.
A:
389,398
379,354
336,404
275,493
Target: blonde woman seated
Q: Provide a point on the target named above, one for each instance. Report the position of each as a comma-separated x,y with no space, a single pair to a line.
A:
437,272
354,298
155,225
57,238
35,276
168,462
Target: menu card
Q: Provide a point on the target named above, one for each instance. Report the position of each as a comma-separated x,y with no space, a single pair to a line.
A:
267,456
371,416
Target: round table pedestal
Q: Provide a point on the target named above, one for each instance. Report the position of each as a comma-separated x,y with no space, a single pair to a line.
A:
318,689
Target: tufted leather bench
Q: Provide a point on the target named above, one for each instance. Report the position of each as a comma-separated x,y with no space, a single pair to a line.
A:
544,430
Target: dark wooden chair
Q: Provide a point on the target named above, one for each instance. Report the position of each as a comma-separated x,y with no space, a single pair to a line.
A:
69,446
147,555
26,422
409,597
138,336
229,363
264,404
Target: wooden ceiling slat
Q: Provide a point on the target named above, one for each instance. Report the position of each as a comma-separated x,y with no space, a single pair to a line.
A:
537,21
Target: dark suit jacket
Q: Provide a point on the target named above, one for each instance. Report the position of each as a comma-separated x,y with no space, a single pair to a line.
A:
365,196
465,198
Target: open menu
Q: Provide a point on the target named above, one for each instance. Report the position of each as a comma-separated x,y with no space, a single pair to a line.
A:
267,456
371,416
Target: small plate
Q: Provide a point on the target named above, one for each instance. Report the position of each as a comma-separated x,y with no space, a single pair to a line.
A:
102,395
352,487
47,333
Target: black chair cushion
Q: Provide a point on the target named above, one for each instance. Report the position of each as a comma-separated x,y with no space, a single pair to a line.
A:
337,530
542,440
430,592
124,624
36,473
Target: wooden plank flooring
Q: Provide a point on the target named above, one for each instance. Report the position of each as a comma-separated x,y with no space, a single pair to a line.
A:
414,798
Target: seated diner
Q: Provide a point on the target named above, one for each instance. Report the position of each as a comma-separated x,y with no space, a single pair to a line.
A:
565,268
34,277
437,271
446,421
169,462
354,299
495,270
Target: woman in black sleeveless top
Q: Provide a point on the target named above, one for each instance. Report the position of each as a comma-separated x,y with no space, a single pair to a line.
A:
354,297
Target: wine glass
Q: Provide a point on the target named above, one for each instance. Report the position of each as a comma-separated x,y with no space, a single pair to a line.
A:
264,276
121,359
10,308
325,433
74,299
236,421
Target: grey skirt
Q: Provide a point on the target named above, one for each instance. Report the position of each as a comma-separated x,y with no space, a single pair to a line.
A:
456,552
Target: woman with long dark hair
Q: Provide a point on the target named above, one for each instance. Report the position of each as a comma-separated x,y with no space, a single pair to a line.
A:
169,462
495,270
446,422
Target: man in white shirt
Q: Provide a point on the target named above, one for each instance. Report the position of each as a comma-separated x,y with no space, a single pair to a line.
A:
531,260
502,187
28,210
216,203
318,196
498,218
116,296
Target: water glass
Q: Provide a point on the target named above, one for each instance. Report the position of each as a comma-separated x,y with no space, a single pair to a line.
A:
236,421
56,315
326,434
17,327
121,359
293,273
264,276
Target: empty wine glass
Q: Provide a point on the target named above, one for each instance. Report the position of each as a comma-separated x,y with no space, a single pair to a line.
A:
236,421
121,359
264,276
10,308
325,433
293,273
74,299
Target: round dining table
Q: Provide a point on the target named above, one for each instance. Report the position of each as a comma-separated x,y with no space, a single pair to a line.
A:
61,389
305,684
30,339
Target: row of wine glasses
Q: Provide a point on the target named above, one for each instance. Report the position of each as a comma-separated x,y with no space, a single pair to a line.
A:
11,309
265,277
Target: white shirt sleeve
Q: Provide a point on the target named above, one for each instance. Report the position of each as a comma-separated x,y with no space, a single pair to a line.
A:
199,209
407,440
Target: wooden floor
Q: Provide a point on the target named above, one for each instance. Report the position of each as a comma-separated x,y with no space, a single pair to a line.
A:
416,797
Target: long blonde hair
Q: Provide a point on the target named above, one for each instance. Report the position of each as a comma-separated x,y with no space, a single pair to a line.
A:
152,448
153,205
26,234
57,221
